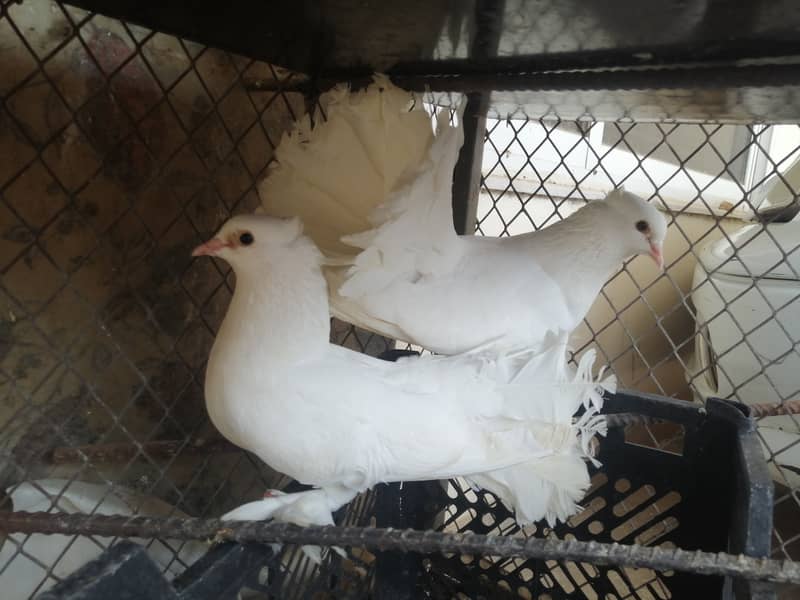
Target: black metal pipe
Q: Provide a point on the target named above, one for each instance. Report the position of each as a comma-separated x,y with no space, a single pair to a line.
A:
661,78
696,54
696,77
660,559
468,170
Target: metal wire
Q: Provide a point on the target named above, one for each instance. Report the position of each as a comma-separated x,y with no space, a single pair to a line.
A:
123,147
704,563
536,171
506,74
92,42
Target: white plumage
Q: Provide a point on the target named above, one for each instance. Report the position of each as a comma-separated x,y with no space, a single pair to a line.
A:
343,421
374,187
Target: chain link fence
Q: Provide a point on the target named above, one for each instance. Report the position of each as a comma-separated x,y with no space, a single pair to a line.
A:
721,320
122,148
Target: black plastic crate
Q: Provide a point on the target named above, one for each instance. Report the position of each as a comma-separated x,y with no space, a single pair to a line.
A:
713,494
710,491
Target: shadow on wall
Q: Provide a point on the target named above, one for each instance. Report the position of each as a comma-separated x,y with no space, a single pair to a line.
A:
118,149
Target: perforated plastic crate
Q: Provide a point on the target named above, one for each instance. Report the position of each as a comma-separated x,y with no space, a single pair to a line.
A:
708,489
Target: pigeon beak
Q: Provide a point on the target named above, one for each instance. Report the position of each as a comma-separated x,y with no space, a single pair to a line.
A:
656,254
210,248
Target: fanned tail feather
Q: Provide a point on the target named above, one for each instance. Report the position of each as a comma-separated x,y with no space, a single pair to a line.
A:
549,394
413,235
334,172
548,488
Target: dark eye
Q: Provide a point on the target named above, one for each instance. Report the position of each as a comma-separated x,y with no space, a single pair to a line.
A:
642,226
246,238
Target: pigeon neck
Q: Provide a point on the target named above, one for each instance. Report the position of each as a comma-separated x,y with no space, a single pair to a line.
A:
279,310
584,255
601,242
596,263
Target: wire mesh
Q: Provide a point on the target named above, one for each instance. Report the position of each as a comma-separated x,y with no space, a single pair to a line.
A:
123,147
710,179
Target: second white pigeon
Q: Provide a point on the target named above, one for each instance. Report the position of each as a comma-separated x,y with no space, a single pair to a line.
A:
374,186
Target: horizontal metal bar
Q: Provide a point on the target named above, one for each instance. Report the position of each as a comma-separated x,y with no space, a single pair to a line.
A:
684,77
313,36
660,559
790,407
697,77
690,54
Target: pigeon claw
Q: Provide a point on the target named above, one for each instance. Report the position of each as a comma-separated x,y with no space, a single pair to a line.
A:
222,535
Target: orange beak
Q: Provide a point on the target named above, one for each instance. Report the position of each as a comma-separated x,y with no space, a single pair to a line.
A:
210,248
655,253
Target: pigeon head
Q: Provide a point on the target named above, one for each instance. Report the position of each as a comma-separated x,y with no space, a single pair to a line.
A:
251,238
641,228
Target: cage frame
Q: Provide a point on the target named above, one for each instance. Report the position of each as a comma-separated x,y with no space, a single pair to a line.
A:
551,73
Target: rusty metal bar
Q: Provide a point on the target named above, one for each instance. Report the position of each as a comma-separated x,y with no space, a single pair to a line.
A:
660,559
791,407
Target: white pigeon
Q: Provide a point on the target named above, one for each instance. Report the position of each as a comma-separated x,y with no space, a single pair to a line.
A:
379,206
343,421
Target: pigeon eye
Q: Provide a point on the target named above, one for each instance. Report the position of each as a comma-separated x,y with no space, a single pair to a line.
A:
642,226
246,238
